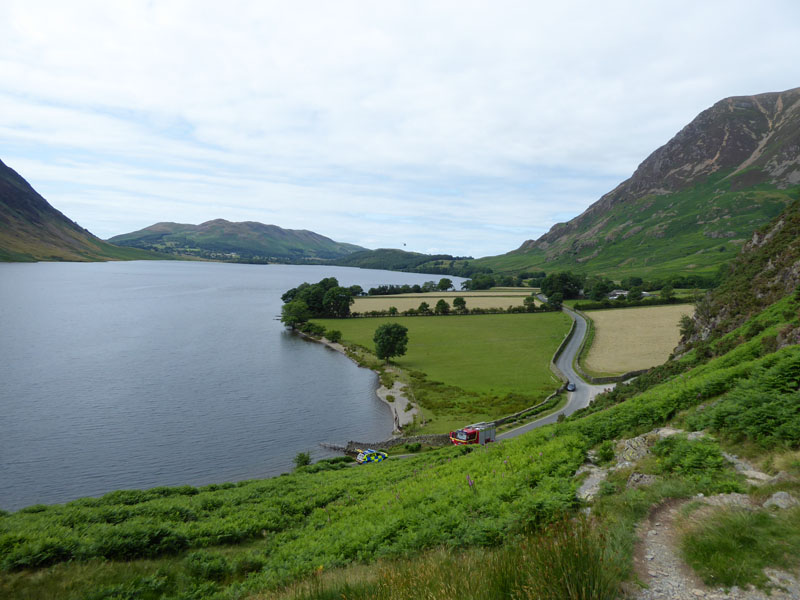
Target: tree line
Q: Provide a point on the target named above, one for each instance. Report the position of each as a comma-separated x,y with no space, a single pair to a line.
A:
317,300
577,285
459,307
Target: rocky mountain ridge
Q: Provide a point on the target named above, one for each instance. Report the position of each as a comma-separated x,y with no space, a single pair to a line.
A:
688,206
754,138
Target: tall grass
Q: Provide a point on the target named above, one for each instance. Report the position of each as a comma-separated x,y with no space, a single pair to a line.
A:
734,546
569,560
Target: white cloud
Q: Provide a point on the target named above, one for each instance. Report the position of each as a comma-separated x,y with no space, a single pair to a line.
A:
464,126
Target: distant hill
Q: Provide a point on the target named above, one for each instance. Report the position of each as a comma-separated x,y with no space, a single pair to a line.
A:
691,204
400,260
32,230
247,241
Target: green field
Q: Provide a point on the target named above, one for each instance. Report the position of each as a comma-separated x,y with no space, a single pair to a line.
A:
489,365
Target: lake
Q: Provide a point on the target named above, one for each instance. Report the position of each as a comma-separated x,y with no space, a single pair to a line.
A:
140,374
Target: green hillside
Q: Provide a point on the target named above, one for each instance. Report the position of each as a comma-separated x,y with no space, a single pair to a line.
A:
462,518
694,231
247,241
690,205
32,230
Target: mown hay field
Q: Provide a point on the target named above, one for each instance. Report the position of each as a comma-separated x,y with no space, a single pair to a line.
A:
628,339
488,299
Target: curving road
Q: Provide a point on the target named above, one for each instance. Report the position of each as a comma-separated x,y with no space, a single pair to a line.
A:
584,392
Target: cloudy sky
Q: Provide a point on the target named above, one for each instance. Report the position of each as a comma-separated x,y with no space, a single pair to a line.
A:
459,127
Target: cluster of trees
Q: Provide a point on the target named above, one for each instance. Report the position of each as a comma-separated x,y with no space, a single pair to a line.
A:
459,307
575,285
481,281
444,285
324,299
484,281
567,284
390,339
665,296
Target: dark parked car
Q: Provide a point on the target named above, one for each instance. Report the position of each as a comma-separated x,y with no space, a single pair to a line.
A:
570,387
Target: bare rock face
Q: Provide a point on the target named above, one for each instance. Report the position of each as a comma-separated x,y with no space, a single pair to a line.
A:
632,450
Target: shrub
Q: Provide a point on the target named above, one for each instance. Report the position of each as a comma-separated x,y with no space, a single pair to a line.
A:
413,447
677,454
302,459
132,540
334,335
249,563
315,330
140,588
205,565
605,452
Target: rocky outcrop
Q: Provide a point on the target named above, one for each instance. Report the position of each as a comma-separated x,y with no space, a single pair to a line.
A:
766,270
781,500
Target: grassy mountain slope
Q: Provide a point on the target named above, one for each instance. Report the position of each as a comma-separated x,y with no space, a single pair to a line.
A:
691,204
248,539
31,229
226,240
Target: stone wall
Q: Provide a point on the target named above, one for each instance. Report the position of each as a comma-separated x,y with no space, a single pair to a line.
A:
434,439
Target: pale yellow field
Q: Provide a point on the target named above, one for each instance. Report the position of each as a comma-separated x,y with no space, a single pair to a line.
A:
628,339
478,299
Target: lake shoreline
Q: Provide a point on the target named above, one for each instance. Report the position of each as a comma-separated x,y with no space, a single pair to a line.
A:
402,416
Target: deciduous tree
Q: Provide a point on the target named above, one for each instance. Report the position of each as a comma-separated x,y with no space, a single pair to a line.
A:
444,284
390,340
336,302
294,313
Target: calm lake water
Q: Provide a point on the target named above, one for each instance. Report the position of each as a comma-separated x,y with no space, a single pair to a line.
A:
139,374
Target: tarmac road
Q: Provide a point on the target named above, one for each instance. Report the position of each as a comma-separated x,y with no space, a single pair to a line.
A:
584,392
